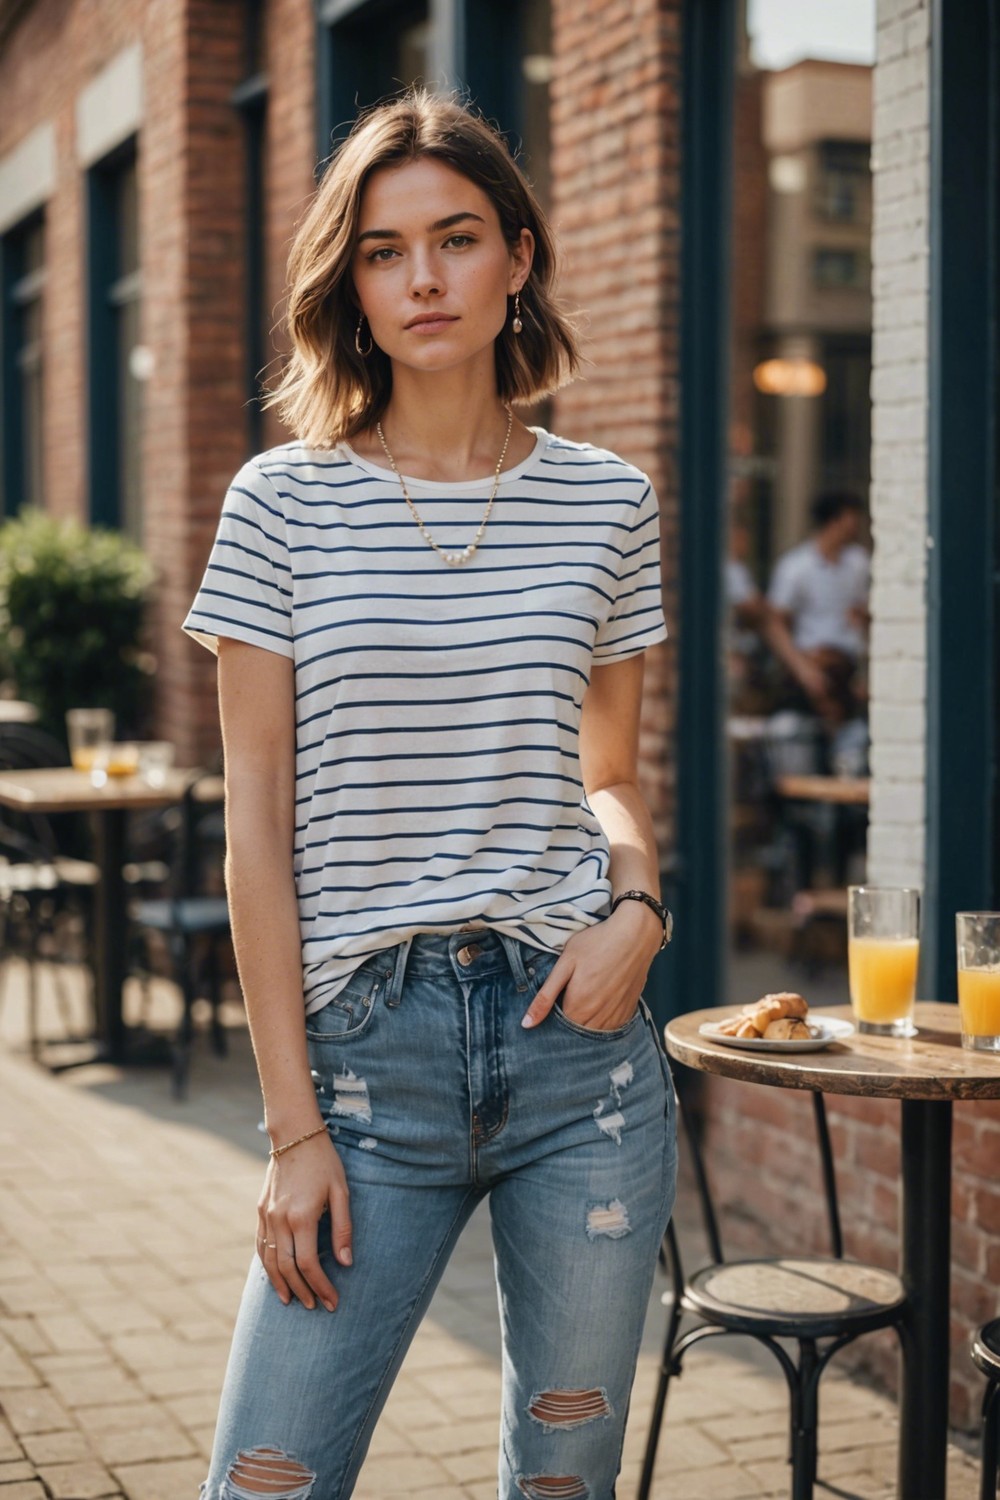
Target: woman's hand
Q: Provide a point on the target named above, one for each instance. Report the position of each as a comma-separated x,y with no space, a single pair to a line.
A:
299,1187
602,970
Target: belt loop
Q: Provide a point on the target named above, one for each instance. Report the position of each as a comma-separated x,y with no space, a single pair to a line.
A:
394,990
512,948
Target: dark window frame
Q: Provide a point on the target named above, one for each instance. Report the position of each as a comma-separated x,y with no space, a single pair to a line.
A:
21,287
962,861
109,288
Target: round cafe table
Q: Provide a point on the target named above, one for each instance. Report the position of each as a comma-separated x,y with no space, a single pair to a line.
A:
925,1073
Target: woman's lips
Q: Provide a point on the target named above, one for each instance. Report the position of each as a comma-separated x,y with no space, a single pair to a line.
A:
431,325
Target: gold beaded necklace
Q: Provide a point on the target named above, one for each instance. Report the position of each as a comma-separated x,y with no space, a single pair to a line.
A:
453,559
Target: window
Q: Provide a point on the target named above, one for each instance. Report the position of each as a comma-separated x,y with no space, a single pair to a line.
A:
500,51
369,51
834,268
117,361
250,99
846,413
843,188
23,278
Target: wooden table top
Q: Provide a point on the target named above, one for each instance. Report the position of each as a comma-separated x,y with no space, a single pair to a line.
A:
61,789
849,791
931,1065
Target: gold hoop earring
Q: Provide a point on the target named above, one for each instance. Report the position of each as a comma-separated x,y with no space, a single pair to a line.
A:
517,325
357,339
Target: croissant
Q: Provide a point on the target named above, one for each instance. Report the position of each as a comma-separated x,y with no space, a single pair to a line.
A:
757,1018
788,1029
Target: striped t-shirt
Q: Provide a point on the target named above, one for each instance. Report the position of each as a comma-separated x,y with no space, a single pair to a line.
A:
437,708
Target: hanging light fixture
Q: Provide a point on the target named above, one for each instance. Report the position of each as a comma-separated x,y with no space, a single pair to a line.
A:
790,377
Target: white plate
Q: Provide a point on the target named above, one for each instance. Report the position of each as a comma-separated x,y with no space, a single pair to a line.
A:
825,1029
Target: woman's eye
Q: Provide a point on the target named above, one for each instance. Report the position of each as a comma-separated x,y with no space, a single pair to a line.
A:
460,240
383,253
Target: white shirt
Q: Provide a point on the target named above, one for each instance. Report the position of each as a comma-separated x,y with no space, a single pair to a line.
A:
438,778
819,595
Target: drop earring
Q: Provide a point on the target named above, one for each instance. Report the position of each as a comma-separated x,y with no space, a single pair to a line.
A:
517,325
357,338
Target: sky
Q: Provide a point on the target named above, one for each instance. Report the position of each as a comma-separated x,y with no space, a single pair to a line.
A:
782,31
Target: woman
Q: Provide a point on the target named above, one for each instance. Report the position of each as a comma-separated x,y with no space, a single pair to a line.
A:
430,622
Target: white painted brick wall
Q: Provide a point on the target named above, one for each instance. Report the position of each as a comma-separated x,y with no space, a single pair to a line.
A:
898,677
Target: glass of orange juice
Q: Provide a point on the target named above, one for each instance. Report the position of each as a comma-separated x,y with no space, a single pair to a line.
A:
978,938
883,949
89,731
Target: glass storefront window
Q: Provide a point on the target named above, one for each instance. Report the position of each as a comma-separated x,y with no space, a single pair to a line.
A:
800,425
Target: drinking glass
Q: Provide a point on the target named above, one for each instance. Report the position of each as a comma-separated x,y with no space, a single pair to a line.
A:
155,759
883,949
977,935
88,730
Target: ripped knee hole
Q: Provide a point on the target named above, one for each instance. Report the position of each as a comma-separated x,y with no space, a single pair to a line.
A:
270,1471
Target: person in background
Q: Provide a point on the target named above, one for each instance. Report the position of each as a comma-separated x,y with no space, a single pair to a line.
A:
818,608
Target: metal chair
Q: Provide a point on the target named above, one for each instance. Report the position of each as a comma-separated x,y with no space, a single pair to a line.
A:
45,888
191,925
818,1303
985,1352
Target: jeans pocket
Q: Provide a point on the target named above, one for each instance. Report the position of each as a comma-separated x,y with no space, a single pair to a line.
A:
593,1033
351,1010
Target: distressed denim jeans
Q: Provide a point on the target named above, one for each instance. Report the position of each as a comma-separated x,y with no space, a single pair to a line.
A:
435,1097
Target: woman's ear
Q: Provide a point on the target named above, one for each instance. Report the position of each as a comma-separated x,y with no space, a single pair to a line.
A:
522,254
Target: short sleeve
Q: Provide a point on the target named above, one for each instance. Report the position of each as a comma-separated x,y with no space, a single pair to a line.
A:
864,576
636,620
784,590
740,587
246,593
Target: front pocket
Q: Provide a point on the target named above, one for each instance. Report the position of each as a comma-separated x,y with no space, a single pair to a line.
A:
592,1033
350,1011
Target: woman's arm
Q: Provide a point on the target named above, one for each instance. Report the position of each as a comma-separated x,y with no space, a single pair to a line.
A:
603,968
256,698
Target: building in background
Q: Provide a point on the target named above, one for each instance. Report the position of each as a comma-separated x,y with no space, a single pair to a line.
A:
152,168
814,355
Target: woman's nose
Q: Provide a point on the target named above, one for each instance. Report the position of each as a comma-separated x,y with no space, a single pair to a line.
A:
425,278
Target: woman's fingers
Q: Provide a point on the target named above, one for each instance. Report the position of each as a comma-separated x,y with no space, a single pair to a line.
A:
545,998
308,1267
341,1229
291,1271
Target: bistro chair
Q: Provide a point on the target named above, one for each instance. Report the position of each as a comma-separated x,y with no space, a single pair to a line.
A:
816,1303
45,889
986,1357
191,926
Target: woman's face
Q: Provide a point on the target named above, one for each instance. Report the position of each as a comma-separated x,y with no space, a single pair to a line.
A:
431,267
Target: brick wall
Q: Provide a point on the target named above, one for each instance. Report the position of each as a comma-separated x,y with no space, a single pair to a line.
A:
764,1167
191,174
214,212
53,51
615,176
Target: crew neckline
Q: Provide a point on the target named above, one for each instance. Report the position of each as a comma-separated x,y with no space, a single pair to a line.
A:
542,440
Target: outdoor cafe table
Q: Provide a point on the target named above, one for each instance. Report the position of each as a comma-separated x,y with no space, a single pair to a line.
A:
925,1073
841,791
62,790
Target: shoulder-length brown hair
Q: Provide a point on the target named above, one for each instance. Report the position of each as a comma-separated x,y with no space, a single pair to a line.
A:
327,390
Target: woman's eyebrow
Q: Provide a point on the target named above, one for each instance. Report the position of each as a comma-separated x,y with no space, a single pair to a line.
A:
435,228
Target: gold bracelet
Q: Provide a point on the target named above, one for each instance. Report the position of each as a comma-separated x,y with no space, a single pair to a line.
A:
280,1150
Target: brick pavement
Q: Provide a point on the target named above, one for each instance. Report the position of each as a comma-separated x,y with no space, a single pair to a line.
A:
114,1325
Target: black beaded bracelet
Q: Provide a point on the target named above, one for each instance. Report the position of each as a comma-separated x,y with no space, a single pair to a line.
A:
664,914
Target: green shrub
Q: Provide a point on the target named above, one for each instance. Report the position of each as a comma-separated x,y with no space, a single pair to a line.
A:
72,602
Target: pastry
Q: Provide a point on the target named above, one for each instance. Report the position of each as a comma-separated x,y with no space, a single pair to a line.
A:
757,1018
788,1029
